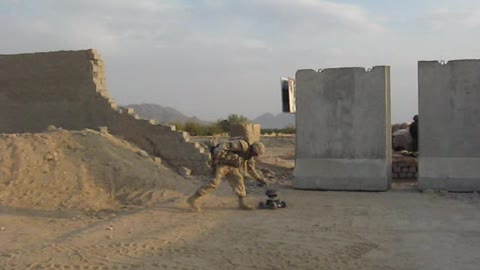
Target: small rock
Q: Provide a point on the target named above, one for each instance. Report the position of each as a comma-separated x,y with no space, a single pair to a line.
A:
70,146
50,156
109,228
143,153
157,159
185,171
51,128
103,130
2,228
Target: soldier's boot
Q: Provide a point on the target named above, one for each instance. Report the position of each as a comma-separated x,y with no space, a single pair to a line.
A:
192,200
243,205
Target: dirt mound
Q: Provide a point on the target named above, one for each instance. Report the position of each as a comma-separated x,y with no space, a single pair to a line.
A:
85,170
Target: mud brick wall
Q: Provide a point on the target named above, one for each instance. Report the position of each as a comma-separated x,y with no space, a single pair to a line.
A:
67,89
249,131
404,168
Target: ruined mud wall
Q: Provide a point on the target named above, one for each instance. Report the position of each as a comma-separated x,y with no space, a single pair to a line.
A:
449,125
67,89
343,129
249,131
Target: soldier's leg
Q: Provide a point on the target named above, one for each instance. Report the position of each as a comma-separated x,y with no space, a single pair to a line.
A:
235,179
207,187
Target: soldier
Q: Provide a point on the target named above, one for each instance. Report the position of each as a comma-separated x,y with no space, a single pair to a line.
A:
414,133
229,160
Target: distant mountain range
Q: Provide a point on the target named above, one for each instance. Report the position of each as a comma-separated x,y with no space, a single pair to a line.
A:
166,115
280,120
163,115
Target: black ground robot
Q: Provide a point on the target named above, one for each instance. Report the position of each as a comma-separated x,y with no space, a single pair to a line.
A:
271,202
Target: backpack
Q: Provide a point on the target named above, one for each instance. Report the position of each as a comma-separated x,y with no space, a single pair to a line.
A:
230,153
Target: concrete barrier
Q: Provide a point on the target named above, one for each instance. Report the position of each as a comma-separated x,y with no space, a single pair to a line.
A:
449,125
343,129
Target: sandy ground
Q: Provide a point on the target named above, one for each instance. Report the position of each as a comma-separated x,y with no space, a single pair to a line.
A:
399,229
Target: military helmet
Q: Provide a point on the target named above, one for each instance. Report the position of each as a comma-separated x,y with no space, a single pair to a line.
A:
415,118
258,148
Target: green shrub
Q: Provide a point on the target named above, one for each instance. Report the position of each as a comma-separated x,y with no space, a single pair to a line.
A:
226,124
286,130
197,129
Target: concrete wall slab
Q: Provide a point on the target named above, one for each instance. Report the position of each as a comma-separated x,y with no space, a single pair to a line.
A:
449,125
343,129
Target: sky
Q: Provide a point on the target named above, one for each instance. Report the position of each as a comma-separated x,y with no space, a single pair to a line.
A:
211,58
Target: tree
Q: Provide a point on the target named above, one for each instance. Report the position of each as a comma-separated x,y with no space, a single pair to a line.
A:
237,119
226,124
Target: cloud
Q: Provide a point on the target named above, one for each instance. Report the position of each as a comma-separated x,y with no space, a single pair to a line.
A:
108,25
452,18
322,13
233,50
115,7
116,26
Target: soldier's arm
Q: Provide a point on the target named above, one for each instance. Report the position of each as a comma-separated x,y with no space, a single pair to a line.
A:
251,168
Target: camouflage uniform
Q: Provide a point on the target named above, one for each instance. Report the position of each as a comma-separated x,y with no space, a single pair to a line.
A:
231,160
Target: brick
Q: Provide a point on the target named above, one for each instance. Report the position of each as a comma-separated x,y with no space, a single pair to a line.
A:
103,130
402,164
185,171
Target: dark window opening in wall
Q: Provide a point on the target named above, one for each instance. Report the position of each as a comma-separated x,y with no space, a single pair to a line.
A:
288,95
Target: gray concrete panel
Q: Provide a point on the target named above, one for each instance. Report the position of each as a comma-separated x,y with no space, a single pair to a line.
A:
343,129
449,125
